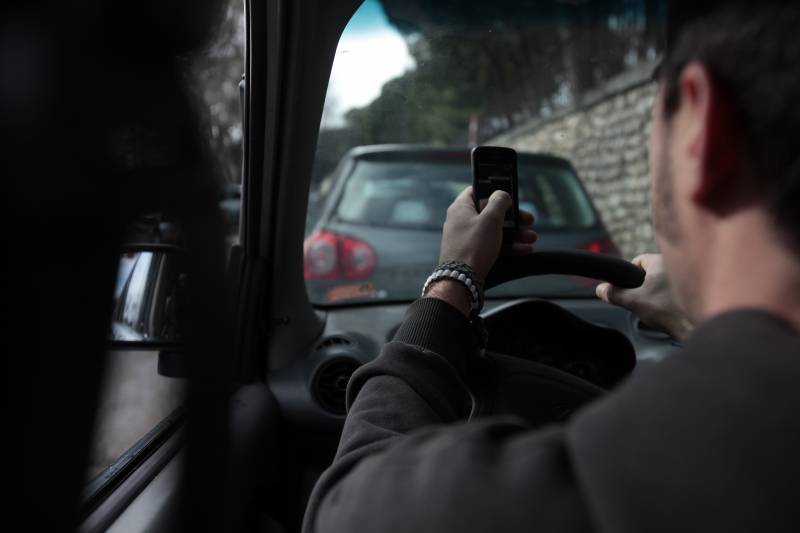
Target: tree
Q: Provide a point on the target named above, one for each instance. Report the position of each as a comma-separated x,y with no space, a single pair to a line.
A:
214,77
504,61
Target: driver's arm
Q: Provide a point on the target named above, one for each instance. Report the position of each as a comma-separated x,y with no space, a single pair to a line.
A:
396,470
399,469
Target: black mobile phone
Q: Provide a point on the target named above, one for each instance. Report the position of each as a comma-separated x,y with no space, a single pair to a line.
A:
495,168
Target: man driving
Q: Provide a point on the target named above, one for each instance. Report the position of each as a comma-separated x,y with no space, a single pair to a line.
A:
706,440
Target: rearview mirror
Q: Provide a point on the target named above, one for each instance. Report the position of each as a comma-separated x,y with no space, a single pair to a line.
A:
147,296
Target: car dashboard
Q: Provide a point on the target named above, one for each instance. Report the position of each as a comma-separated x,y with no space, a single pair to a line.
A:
311,391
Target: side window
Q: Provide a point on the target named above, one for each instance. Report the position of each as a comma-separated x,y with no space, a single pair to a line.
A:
137,400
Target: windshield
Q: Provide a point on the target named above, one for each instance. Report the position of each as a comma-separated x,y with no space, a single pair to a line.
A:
415,84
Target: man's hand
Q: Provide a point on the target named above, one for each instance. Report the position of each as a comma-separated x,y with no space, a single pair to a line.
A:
475,238
652,302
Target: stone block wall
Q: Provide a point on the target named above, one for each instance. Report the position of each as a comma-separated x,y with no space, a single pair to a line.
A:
606,139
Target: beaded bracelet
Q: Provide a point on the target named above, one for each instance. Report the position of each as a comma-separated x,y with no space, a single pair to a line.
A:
461,272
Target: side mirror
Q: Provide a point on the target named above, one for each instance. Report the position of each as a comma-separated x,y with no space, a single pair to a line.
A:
148,296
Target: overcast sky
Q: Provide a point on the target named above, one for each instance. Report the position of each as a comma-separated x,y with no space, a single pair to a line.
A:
370,53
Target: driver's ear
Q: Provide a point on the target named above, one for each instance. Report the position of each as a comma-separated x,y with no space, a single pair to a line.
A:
712,131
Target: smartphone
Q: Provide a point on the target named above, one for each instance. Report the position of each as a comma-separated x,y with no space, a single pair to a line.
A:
495,168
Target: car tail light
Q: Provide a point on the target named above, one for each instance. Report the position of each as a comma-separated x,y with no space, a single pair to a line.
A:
601,246
328,256
320,259
356,257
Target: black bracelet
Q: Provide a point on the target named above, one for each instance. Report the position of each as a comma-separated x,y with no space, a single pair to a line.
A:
462,273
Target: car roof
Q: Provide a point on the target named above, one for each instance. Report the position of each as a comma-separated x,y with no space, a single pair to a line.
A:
402,152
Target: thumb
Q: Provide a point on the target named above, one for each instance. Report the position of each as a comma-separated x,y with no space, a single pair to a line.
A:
611,294
499,203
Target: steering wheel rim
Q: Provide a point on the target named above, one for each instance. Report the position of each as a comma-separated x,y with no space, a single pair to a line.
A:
612,269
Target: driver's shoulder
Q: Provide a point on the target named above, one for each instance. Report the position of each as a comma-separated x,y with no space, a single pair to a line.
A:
739,357
694,419
743,332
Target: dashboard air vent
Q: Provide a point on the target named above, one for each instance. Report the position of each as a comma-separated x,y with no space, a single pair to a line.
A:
330,383
335,340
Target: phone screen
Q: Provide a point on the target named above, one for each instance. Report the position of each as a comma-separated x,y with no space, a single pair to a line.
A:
496,169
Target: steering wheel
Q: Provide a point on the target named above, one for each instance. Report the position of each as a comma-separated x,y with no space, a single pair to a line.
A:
540,393
573,262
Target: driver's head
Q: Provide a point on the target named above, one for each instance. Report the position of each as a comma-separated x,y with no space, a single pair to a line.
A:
725,149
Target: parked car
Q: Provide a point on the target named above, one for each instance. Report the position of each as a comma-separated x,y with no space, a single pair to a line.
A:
378,234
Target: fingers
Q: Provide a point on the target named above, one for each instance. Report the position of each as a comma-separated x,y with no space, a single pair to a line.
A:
603,291
524,243
521,248
645,260
608,293
526,218
527,236
499,202
614,295
465,197
463,202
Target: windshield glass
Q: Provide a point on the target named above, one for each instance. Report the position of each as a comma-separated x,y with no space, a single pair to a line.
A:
415,84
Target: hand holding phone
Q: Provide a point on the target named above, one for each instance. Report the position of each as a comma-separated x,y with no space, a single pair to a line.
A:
495,168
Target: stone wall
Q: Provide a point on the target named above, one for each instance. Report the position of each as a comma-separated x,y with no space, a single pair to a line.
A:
606,140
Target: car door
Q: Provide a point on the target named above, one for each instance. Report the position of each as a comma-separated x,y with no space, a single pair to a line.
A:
128,148
204,465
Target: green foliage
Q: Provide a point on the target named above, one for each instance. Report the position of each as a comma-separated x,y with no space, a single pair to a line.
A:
495,64
214,78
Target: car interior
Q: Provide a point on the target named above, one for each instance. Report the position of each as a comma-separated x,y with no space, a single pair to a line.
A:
312,351
267,393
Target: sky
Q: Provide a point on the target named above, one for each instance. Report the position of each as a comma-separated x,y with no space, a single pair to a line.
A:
370,53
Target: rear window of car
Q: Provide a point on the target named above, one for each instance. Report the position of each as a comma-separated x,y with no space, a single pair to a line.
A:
416,194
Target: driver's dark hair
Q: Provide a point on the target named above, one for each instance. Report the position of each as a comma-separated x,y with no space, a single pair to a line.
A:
752,51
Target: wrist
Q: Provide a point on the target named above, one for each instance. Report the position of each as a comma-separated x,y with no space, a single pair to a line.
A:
458,274
451,292
473,263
